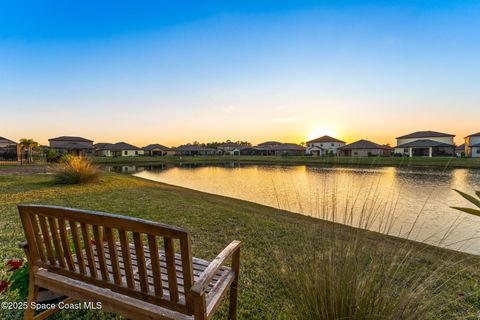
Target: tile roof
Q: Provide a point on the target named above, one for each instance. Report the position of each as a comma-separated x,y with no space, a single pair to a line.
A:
365,144
116,146
73,145
424,143
325,139
426,134
151,147
192,147
2,139
69,138
474,135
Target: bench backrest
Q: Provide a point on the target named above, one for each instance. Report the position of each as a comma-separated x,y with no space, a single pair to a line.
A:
66,241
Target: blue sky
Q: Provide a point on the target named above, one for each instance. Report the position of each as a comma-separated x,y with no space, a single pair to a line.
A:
174,72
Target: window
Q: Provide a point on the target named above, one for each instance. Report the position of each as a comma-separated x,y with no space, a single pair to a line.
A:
333,144
125,152
321,144
136,152
478,150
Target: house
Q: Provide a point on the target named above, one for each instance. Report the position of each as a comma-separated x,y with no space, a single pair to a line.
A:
275,148
119,149
472,145
243,150
9,150
426,144
234,149
365,148
158,150
324,146
76,146
194,150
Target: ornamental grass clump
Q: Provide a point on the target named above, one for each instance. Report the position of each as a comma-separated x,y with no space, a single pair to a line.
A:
76,170
346,271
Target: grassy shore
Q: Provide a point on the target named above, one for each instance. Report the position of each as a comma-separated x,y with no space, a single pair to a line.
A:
214,221
363,161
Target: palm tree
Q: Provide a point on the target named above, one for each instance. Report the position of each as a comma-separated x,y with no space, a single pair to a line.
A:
471,199
28,144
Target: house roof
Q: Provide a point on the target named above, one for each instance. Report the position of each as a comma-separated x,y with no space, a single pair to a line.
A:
325,139
192,147
2,139
281,147
73,145
365,144
269,143
117,146
154,146
102,145
228,144
426,134
474,135
69,138
424,143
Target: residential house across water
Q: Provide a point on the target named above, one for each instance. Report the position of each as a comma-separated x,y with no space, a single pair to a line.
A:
119,149
426,144
275,148
472,145
365,148
235,149
76,146
323,146
189,150
158,150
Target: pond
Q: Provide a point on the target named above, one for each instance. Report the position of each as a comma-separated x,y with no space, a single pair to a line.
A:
412,203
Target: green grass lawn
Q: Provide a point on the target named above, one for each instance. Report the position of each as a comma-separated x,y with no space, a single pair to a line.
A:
367,161
215,221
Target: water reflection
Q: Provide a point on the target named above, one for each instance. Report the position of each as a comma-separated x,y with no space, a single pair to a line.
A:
407,196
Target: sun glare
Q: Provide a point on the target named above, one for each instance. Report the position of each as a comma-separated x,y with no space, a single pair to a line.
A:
321,131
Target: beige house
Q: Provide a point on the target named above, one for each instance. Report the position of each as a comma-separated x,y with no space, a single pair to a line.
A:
119,149
323,146
426,144
472,145
365,148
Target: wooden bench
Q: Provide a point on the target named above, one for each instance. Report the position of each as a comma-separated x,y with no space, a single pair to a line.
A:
136,268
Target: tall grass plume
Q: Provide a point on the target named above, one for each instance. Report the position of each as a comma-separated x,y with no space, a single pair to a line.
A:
76,170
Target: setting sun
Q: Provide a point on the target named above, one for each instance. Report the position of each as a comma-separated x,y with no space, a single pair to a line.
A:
321,131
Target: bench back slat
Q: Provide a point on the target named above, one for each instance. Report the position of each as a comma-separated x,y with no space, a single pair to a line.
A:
112,251
66,244
155,260
78,247
112,248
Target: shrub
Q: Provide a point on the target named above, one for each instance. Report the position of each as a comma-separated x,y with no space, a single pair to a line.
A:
76,170
344,272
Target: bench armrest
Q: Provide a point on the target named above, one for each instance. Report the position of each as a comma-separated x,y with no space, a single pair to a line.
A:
207,275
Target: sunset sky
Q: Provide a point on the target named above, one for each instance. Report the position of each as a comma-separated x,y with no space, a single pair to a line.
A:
164,72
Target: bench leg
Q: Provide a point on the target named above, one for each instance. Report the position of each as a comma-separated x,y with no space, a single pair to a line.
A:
232,312
32,297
